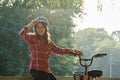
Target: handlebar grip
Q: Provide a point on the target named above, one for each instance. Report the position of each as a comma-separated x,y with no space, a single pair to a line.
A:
99,55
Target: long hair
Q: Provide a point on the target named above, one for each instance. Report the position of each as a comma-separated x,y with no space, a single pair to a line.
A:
46,36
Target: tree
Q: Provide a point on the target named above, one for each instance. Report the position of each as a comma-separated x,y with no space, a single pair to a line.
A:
116,35
12,48
88,39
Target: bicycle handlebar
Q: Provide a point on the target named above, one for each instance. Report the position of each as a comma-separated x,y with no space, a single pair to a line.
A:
86,65
91,60
99,55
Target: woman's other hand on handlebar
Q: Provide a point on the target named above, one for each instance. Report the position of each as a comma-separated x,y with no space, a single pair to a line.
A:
76,52
79,52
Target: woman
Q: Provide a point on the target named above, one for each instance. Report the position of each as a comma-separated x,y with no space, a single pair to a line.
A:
41,47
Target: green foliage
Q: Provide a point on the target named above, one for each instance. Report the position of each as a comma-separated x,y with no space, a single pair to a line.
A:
62,65
89,38
116,35
58,3
12,51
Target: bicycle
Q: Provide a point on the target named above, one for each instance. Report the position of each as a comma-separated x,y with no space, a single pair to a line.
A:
88,75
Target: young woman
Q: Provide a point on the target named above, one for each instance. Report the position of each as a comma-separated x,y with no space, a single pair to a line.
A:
41,48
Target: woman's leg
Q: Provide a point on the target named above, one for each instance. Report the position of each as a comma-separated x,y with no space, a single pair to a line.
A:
52,77
39,75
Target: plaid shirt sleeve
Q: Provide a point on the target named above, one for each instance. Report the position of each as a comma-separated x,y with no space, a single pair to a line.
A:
58,50
26,35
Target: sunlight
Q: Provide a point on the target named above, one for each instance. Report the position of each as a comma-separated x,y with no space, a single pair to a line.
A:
108,19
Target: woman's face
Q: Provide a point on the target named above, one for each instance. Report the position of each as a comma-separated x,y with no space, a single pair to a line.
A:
40,29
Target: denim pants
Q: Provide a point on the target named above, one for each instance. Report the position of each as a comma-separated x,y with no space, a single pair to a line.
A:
41,75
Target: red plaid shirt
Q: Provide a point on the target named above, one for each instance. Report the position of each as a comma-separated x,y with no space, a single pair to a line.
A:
40,51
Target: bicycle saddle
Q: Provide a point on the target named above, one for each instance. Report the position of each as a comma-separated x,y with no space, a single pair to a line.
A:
95,73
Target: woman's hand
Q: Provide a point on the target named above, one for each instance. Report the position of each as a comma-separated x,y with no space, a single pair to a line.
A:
76,52
33,23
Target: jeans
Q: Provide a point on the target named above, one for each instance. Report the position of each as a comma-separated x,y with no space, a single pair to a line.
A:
41,75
